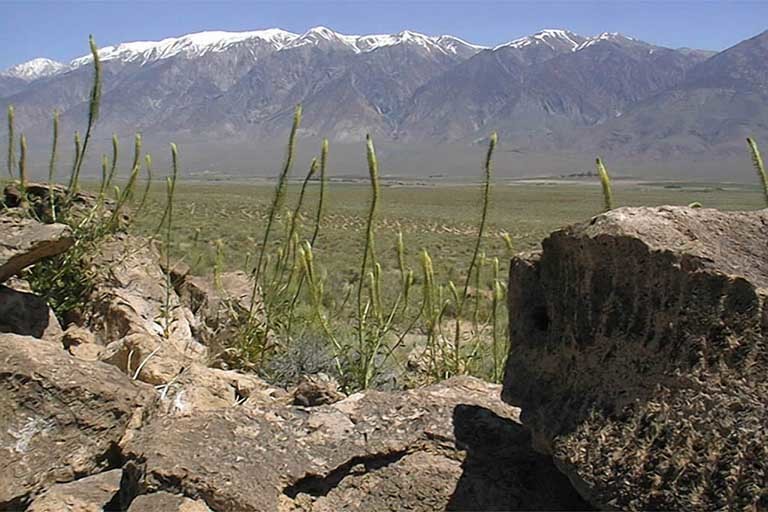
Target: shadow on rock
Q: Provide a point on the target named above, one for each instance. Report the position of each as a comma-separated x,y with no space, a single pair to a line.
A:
502,471
26,314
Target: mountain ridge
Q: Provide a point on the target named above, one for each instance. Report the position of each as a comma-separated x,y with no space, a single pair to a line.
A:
199,43
552,92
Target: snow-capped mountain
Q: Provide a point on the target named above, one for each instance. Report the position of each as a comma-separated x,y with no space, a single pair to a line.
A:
368,43
551,90
233,78
558,40
190,46
202,43
553,38
35,69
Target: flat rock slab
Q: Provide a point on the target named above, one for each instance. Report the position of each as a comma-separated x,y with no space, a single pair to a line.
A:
24,242
89,494
639,358
61,419
453,445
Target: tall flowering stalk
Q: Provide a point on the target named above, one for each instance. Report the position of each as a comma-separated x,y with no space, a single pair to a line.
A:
93,115
11,160
52,165
605,182
460,300
170,191
277,201
757,161
369,257
23,167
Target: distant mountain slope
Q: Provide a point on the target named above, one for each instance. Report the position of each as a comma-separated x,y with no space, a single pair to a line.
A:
543,87
722,100
553,92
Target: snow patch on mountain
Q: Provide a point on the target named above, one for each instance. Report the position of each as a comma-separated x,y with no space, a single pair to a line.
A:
195,45
321,35
190,45
605,36
368,43
453,43
549,37
35,69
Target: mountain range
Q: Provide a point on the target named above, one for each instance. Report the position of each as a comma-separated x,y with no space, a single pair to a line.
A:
555,97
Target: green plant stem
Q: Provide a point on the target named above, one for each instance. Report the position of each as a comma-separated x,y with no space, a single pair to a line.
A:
11,142
171,189
70,194
52,165
315,293
488,170
321,199
275,207
148,185
757,161
315,231
23,167
113,169
290,246
93,115
605,182
373,170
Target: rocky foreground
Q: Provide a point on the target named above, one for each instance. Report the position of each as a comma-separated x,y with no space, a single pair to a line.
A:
637,359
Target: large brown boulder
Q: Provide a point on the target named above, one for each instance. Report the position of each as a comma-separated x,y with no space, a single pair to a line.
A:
451,445
60,418
24,242
130,296
638,356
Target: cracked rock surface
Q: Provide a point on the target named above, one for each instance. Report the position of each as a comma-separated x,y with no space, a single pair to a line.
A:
638,356
129,297
61,419
452,445
81,435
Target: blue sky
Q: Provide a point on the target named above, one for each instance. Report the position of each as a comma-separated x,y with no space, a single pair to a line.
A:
59,29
